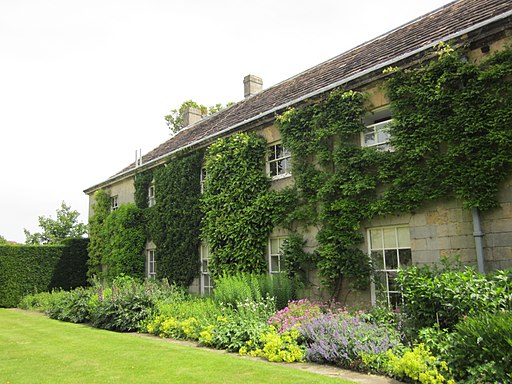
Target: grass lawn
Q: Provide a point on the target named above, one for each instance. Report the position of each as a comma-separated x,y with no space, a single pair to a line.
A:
35,349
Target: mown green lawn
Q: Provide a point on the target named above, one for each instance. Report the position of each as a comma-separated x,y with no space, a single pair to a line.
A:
35,349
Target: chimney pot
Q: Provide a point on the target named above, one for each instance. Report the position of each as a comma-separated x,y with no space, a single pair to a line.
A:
252,85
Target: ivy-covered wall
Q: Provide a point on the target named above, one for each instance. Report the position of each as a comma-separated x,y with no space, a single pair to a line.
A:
174,222
27,269
451,139
117,239
239,208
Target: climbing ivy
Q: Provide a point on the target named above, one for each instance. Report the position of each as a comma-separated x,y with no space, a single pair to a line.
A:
98,240
174,221
451,138
452,130
125,234
141,183
334,179
239,209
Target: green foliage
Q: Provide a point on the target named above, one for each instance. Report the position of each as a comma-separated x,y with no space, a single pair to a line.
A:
142,182
32,268
433,296
65,226
480,348
276,347
241,287
239,209
39,302
71,269
174,222
420,366
335,181
128,305
98,238
450,139
451,130
125,230
294,256
3,241
71,306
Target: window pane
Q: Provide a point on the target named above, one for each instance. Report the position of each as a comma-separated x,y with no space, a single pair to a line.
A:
391,259
383,136
405,257
272,153
392,285
204,266
378,259
375,239
274,246
389,238
279,151
273,168
380,281
274,264
369,139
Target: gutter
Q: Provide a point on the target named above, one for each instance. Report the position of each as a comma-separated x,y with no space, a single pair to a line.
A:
317,92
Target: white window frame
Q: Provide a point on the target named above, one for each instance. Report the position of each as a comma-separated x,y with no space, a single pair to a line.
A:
380,133
114,203
402,246
151,195
150,263
275,254
202,178
206,283
282,161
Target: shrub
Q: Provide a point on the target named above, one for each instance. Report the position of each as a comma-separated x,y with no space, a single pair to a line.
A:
480,348
275,346
343,339
236,288
294,314
126,306
444,297
36,302
26,269
240,287
71,306
419,365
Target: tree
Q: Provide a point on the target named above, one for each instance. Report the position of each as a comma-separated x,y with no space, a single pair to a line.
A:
175,120
65,226
2,240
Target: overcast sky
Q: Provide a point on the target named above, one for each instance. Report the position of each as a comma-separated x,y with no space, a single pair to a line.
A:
83,84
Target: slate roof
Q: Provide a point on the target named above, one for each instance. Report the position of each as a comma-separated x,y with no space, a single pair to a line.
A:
450,21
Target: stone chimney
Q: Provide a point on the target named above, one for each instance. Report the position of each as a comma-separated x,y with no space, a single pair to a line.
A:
192,115
252,85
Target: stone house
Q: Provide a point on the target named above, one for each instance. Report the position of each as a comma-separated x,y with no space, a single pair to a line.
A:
440,228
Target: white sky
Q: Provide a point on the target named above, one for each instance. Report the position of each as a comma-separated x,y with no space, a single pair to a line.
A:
83,84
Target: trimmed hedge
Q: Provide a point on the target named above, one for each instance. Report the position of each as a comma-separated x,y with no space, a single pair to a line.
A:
27,269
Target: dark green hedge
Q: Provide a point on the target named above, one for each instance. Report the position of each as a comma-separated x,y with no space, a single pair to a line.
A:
28,268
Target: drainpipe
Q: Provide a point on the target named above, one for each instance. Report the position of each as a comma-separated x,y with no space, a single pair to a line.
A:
478,234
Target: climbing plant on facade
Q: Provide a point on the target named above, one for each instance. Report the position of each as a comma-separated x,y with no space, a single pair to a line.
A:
239,209
98,242
174,221
451,130
335,181
451,138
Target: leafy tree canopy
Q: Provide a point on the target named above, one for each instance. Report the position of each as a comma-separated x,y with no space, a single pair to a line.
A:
2,240
175,120
54,231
